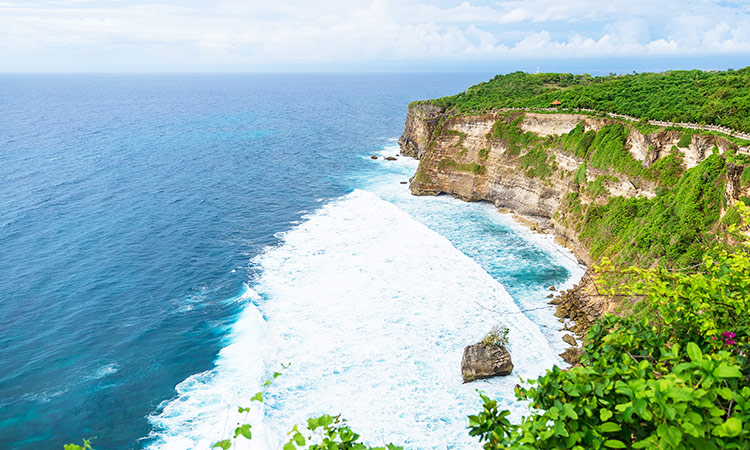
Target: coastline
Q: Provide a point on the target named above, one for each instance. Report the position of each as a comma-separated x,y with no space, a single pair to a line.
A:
574,312
568,315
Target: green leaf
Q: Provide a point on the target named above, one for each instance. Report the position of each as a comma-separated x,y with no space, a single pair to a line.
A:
289,446
671,435
258,397
727,371
609,427
242,410
243,430
224,445
299,439
72,447
605,414
614,443
732,427
694,352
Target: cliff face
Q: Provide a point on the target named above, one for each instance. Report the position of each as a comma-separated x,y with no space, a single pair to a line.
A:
465,157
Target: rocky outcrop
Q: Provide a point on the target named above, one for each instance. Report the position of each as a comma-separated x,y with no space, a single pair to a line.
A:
482,361
420,123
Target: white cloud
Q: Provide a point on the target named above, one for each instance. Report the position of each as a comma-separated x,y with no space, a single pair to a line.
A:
257,35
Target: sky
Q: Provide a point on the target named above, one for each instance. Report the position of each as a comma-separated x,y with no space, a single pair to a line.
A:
371,35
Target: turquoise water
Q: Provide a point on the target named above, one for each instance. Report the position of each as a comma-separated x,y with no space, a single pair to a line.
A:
166,241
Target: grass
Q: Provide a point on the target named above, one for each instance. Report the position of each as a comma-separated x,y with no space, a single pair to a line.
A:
462,167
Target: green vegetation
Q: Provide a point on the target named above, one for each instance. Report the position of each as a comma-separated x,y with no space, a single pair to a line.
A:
719,98
496,337
670,229
604,149
580,177
596,187
507,131
685,139
463,167
644,127
422,177
537,163
461,136
578,141
607,151
672,375
667,170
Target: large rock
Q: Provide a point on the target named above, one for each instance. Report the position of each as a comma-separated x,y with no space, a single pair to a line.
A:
481,361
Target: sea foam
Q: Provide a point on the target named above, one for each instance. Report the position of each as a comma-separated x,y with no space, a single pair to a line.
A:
372,309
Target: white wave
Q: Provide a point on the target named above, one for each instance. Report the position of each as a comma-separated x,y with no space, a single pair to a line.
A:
205,409
103,371
373,310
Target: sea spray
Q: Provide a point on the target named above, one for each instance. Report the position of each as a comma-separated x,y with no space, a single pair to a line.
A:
372,309
206,407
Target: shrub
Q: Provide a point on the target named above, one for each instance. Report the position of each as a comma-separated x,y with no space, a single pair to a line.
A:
673,375
496,337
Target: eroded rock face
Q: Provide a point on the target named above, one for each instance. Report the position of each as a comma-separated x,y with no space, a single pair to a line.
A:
420,122
480,361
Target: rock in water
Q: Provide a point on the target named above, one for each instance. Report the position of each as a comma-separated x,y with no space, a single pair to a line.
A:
390,158
481,361
374,157
570,340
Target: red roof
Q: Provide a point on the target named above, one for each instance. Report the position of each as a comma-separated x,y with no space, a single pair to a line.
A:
557,102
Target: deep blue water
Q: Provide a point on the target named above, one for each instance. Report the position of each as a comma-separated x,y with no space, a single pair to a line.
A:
129,208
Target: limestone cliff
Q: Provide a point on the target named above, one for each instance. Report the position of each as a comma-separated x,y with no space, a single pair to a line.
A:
463,156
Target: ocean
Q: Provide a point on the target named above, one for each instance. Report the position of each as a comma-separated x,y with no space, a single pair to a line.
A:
167,242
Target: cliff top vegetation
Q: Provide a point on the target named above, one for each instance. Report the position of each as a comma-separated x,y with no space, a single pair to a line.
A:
713,98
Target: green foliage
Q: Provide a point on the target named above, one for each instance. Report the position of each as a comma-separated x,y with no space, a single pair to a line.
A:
580,177
607,151
745,177
644,127
536,162
579,141
496,337
672,376
731,217
472,167
422,177
685,140
86,446
667,170
670,228
719,98
596,187
461,135
507,130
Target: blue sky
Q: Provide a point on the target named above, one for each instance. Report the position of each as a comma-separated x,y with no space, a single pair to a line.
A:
371,35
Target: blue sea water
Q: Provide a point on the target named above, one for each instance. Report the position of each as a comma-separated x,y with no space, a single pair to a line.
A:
167,241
